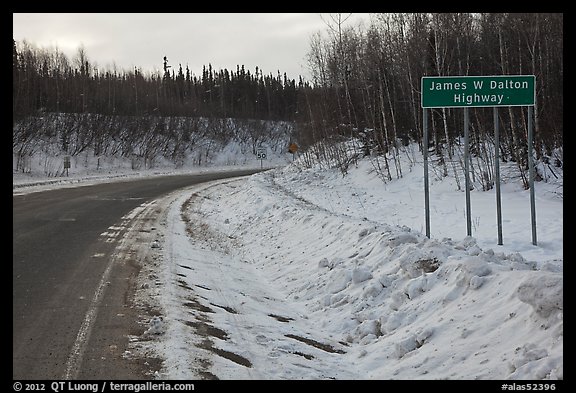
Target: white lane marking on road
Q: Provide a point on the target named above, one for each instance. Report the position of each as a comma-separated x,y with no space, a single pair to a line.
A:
75,357
77,352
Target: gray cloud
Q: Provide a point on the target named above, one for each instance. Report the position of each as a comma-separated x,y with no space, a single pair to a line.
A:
272,42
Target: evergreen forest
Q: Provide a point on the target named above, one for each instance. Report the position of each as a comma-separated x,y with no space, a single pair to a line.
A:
364,89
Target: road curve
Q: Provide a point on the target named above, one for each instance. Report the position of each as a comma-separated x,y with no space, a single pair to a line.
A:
60,266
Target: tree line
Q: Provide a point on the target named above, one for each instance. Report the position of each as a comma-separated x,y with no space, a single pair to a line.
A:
46,80
366,84
365,88
70,107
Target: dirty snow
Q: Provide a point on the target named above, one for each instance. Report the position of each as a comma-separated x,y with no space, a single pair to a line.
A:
302,273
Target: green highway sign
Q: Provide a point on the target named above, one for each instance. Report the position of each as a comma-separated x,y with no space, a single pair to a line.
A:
478,91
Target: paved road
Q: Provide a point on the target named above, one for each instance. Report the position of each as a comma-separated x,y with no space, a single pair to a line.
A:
59,267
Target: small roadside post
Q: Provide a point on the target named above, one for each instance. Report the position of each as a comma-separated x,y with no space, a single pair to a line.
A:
293,148
66,164
261,155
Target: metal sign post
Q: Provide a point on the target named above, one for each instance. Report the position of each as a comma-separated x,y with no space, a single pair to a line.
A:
497,170
426,186
67,164
467,175
480,91
293,148
261,154
531,178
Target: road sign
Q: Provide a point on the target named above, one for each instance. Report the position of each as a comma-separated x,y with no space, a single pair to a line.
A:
478,91
293,148
66,164
261,154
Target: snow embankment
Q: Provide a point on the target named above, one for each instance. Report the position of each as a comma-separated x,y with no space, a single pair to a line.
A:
405,306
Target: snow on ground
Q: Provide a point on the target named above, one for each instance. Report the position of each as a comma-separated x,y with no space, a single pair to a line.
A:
88,169
301,273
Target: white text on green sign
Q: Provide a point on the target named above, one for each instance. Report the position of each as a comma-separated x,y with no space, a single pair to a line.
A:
478,91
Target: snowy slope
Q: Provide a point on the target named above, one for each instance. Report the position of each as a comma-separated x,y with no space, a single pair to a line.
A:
304,274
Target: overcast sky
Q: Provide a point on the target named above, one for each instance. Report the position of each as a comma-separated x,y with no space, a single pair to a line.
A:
271,41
